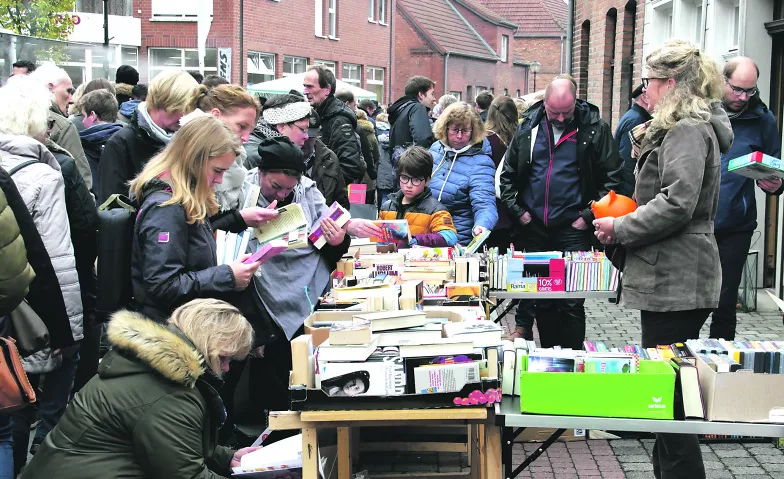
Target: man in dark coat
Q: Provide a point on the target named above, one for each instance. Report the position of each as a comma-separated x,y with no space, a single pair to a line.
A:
99,110
636,115
338,122
408,115
754,127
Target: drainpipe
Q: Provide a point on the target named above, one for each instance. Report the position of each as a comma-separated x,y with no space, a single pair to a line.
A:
561,65
446,72
242,43
570,37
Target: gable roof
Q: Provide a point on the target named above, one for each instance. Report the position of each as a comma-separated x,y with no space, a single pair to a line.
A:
444,28
534,18
485,13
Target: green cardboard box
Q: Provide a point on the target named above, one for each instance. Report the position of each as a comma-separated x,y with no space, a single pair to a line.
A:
647,394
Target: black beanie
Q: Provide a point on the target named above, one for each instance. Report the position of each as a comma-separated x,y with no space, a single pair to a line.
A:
126,74
279,153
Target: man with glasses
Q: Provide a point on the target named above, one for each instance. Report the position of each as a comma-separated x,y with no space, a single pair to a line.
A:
755,129
561,159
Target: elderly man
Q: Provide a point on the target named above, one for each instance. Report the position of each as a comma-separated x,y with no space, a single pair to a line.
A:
754,127
561,158
637,114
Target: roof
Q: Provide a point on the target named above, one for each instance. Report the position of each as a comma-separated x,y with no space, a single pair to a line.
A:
534,18
444,28
485,13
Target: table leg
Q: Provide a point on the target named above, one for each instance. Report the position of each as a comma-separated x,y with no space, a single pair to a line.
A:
507,442
470,444
344,453
538,452
310,465
493,461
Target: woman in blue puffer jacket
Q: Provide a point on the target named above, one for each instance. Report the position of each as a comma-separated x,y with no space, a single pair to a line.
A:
463,173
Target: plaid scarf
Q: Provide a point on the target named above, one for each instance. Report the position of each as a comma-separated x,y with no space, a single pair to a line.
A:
636,135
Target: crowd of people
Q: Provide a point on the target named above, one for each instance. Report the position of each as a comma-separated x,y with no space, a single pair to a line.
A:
188,151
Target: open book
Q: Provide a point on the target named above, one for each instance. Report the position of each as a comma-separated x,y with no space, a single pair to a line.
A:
291,226
277,460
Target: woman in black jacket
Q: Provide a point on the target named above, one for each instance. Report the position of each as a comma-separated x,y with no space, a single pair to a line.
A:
173,259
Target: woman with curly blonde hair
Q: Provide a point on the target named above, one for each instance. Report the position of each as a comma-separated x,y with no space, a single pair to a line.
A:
671,271
463,173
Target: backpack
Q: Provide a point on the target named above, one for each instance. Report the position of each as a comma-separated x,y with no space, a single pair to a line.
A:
116,221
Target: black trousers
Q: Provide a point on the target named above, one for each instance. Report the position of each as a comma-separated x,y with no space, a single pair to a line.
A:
560,322
733,250
674,455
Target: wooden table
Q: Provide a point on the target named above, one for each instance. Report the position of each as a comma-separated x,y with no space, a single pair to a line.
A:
484,437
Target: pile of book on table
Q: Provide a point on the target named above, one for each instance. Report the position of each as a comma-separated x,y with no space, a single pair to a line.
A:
395,353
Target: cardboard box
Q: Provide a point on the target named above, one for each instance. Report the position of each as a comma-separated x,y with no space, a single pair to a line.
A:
648,394
552,281
322,334
742,396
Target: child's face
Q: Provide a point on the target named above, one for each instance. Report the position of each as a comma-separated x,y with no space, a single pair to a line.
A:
412,186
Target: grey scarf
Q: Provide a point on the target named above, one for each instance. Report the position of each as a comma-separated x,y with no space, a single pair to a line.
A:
146,123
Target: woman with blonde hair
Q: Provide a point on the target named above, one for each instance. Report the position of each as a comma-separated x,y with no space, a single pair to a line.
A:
671,272
173,259
463,173
153,409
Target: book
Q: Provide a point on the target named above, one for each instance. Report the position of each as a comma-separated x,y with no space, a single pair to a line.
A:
359,292
426,255
291,225
413,336
302,361
350,333
282,455
338,214
477,242
481,333
442,347
267,251
756,165
382,374
689,380
391,320
507,367
392,230
538,362
333,353
445,378
357,193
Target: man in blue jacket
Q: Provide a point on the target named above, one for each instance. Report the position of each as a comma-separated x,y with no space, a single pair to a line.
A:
736,218
636,115
561,158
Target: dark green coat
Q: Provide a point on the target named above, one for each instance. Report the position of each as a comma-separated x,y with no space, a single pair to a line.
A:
150,413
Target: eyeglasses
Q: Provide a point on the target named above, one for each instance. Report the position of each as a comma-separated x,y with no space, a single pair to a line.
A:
405,179
71,90
303,130
738,91
460,131
647,81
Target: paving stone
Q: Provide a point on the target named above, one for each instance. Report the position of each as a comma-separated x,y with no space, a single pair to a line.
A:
613,475
713,465
729,453
740,461
637,466
638,475
709,456
746,470
623,451
705,448
624,443
634,458
719,474
770,459
774,468
723,446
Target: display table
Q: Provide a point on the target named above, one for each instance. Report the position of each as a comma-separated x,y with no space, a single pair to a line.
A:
484,437
513,422
501,296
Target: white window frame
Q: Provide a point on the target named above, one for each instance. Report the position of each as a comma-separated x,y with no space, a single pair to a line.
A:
293,62
351,81
333,19
734,19
328,64
372,11
517,93
207,68
319,24
382,12
504,48
456,94
176,10
370,79
252,65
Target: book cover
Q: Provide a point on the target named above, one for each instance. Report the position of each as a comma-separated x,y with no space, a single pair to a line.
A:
445,378
357,193
390,320
381,375
356,332
756,165
441,347
550,364
334,353
290,225
278,456
477,242
338,214
392,230
267,251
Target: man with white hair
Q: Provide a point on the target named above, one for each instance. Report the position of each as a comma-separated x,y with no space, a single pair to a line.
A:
62,131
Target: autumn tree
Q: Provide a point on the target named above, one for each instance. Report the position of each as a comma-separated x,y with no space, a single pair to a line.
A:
50,19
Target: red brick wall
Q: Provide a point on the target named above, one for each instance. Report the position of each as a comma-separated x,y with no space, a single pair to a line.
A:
547,51
591,56
413,56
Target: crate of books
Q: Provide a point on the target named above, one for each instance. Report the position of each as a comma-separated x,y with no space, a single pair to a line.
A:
395,359
581,383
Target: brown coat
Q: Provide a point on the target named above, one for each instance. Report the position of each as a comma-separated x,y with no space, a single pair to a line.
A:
672,262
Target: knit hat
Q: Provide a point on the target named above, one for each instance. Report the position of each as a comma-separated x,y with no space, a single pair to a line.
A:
279,153
287,113
126,74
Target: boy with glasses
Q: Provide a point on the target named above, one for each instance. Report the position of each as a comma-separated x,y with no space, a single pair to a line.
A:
429,221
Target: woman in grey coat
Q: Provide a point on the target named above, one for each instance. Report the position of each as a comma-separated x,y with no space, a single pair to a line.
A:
672,272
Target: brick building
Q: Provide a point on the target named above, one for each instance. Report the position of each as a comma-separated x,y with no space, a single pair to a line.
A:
607,53
540,35
461,45
255,42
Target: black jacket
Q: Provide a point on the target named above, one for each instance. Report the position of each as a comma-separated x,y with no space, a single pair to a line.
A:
635,116
410,124
325,171
123,157
338,129
598,161
45,296
173,262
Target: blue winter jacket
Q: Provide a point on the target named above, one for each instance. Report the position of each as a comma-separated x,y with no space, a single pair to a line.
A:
635,116
755,130
466,186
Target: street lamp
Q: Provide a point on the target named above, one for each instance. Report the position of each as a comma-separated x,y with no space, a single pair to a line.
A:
535,69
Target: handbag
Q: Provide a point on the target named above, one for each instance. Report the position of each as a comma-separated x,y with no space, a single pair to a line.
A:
16,392
28,329
616,254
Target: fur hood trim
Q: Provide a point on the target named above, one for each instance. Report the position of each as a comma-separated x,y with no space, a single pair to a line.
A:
157,346
367,126
123,89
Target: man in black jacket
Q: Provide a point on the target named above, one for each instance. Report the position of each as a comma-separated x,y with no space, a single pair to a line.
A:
561,158
338,122
408,115
636,115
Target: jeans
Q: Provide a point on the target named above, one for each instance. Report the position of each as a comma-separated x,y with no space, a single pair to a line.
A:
6,448
50,406
674,455
733,249
560,322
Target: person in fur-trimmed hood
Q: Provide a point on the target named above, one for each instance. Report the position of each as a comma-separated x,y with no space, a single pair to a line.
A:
153,410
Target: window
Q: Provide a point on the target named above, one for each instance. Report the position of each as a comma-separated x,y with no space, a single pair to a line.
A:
375,82
371,10
162,59
326,63
261,67
517,93
382,12
504,48
698,24
319,27
506,91
735,27
177,9
469,93
456,94
352,74
294,65
333,18
477,90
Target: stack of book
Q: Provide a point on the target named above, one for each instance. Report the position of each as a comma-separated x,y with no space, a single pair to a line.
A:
590,271
432,265
279,460
402,352
730,356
